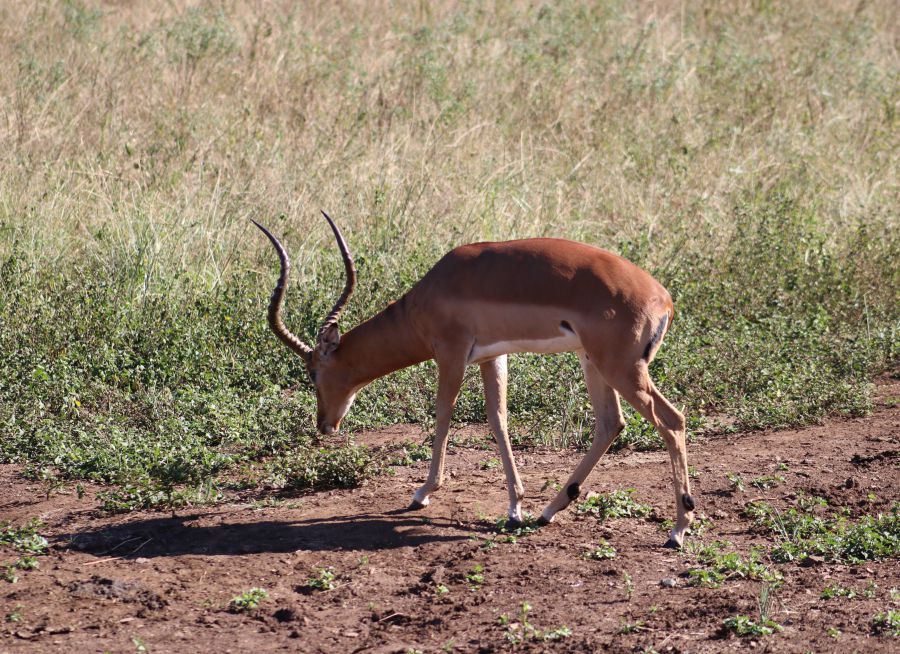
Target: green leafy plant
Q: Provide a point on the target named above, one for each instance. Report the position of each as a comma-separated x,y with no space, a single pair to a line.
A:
617,504
802,534
321,579
408,453
511,533
765,482
830,592
720,565
475,577
600,552
887,623
736,481
741,625
521,630
629,585
632,627
24,538
247,601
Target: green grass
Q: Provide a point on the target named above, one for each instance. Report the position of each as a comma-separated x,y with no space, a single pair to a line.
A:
719,565
756,176
24,540
802,533
617,504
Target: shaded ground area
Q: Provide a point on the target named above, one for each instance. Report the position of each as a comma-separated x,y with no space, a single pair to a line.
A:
442,578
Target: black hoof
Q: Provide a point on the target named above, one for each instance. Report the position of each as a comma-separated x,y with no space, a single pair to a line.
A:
542,522
672,544
512,523
416,505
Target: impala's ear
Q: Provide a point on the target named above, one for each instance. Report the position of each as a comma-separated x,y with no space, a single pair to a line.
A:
329,339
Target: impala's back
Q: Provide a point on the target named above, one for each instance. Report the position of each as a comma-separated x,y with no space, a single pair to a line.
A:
541,295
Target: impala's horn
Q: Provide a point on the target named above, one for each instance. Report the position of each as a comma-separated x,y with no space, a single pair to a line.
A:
350,271
275,322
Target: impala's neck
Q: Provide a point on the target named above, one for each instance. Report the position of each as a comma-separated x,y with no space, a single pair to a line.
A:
382,344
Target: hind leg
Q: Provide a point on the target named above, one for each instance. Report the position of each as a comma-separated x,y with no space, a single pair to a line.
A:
638,390
609,424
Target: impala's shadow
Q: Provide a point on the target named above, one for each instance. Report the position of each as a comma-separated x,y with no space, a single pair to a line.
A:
182,535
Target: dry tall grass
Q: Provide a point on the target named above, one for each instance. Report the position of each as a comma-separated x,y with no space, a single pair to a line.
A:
154,129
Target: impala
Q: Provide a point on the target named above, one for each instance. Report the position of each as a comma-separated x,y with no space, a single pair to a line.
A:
478,304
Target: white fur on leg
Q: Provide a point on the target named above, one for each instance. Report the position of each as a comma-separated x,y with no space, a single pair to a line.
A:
676,536
547,515
420,497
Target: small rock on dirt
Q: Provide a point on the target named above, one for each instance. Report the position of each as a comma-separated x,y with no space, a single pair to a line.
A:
668,582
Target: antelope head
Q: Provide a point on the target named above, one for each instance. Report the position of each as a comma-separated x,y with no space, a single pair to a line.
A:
335,390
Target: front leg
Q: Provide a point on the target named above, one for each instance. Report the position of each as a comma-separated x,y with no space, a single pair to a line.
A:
494,375
451,370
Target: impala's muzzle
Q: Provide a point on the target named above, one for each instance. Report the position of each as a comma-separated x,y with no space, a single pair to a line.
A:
325,428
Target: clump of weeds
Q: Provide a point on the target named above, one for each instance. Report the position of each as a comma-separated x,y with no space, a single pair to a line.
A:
519,628
886,623
248,601
322,579
600,552
617,504
802,532
721,565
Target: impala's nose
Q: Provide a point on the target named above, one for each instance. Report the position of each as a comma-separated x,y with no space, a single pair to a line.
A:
328,430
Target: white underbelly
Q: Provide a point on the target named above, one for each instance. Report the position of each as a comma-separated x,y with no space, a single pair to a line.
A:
564,343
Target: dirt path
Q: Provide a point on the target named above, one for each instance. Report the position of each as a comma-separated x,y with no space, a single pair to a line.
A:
409,581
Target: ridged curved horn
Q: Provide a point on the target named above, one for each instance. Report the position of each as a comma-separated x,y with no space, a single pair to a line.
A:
277,300
350,270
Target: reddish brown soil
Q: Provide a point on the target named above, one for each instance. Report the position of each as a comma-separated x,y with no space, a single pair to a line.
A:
168,581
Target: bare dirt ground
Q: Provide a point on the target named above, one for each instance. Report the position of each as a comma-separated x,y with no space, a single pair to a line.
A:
408,581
